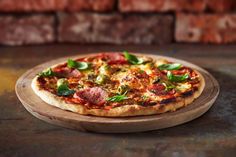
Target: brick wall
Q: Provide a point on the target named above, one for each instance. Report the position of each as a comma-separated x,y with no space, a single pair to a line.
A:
117,21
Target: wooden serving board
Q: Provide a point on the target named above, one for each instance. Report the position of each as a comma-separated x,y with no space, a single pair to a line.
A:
68,119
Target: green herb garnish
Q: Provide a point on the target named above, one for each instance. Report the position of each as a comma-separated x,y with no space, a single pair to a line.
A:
174,66
77,65
117,98
132,58
168,86
63,89
47,72
177,78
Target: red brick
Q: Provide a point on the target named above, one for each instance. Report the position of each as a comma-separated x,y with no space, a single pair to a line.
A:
115,28
206,28
35,29
161,5
31,5
55,5
94,5
176,5
221,5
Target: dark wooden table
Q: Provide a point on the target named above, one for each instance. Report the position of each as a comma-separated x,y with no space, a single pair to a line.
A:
213,134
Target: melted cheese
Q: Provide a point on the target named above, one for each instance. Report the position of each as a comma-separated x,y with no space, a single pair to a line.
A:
182,87
152,96
160,62
146,68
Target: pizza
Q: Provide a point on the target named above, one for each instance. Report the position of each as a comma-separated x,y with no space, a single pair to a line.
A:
118,85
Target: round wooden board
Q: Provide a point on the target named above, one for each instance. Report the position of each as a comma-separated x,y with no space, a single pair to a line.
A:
68,119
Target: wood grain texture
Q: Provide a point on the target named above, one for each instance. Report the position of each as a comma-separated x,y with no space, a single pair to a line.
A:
68,119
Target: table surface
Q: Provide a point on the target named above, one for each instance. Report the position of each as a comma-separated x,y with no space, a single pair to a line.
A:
213,134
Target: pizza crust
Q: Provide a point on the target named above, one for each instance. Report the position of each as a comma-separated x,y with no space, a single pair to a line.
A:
122,111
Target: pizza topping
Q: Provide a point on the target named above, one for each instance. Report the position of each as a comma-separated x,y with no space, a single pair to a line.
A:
47,72
77,65
174,66
182,71
113,58
177,78
182,87
63,89
112,75
74,73
101,79
168,86
67,72
62,81
123,89
104,69
156,80
117,98
133,59
94,95
157,89
135,78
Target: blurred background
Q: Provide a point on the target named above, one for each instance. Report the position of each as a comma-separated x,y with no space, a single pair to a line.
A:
25,22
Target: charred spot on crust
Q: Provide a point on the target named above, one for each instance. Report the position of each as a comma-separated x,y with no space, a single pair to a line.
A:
187,93
166,101
144,103
195,88
41,80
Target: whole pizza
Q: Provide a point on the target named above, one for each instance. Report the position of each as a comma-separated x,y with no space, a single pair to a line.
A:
118,85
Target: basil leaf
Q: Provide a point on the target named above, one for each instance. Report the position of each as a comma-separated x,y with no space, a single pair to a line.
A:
117,98
78,65
71,63
63,89
47,72
176,78
174,66
133,59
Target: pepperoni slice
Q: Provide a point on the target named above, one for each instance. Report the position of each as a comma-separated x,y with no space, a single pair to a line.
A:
95,95
157,89
74,73
68,72
181,71
114,58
